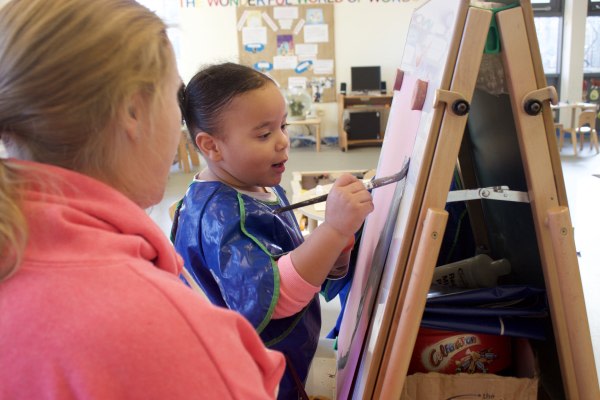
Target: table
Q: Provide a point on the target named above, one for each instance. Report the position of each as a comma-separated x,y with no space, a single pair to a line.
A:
574,107
316,122
314,213
319,182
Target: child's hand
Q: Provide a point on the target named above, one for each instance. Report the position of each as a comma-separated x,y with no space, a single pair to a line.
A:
348,204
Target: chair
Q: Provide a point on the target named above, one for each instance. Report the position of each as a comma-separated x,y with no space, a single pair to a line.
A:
586,125
561,136
558,128
186,152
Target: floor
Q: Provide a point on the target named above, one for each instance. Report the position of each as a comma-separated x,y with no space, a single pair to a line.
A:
583,192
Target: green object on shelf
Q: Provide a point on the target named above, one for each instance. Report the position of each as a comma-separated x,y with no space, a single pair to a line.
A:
298,103
492,43
297,108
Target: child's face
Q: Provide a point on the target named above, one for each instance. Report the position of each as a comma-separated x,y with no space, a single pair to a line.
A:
253,140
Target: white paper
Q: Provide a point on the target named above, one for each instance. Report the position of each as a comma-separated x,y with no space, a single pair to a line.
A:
285,23
254,19
303,49
297,82
299,26
323,67
285,62
285,12
269,22
242,20
316,33
254,35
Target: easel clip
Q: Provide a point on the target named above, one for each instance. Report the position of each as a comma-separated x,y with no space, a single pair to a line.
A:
456,101
490,193
532,103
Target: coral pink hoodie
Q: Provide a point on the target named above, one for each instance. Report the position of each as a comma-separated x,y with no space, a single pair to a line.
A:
96,309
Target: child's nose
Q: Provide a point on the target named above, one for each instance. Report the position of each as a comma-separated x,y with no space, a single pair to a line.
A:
284,140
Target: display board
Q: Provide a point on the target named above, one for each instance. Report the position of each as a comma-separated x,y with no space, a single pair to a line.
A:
293,44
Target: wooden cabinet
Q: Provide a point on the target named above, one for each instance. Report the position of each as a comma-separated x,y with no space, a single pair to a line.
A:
358,103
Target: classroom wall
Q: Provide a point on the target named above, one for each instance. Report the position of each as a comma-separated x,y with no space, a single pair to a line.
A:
366,33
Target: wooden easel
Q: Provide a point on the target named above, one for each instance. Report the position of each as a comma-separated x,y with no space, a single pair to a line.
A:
391,336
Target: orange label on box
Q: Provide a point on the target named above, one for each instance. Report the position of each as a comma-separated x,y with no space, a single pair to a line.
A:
454,352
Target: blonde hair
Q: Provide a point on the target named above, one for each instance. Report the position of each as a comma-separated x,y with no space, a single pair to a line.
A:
66,69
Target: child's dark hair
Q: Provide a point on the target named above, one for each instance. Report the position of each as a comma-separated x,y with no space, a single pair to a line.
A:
212,89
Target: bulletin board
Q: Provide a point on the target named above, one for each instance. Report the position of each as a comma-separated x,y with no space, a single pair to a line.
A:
293,44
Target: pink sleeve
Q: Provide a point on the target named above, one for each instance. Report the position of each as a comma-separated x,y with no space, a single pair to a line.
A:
294,291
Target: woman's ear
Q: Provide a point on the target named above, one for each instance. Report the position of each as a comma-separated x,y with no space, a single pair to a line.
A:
209,146
132,116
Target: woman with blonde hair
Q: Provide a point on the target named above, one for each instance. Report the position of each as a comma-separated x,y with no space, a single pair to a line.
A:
90,302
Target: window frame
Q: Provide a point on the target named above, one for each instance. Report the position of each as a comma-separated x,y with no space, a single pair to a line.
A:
554,8
593,11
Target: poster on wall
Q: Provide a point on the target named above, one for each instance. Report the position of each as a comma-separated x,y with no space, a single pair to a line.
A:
292,44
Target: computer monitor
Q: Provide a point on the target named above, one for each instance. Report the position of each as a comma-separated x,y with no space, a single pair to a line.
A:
365,79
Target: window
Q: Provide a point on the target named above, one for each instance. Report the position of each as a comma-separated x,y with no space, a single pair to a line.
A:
547,7
591,52
548,30
548,26
591,56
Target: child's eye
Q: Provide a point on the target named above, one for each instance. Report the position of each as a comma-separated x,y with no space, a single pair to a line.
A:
284,127
265,135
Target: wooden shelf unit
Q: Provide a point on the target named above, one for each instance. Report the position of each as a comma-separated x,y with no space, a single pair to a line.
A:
354,103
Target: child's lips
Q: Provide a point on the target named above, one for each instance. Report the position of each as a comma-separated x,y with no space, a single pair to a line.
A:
280,167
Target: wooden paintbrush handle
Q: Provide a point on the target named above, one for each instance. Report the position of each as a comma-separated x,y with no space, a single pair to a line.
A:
314,200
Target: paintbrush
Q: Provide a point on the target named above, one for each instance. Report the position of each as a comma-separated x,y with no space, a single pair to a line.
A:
375,183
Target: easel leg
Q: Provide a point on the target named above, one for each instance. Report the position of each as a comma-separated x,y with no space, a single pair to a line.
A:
571,290
556,245
412,308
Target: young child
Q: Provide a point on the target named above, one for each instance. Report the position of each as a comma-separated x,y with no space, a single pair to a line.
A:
242,255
